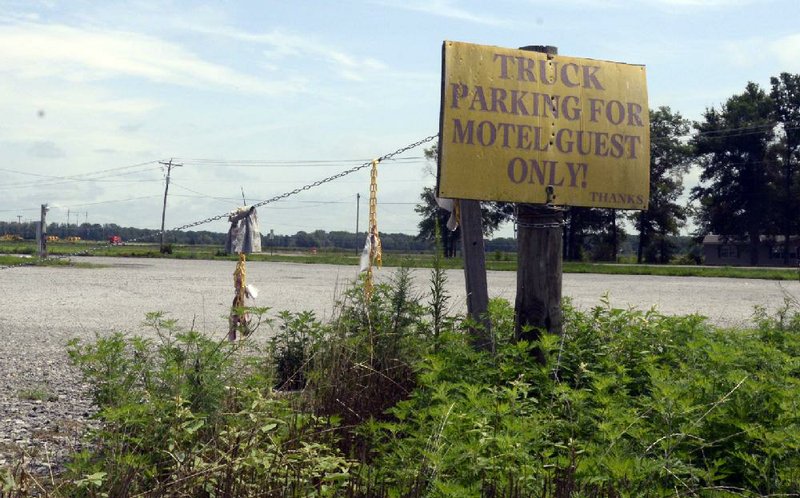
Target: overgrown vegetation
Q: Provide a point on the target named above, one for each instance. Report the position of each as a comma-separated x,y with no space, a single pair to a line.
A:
389,399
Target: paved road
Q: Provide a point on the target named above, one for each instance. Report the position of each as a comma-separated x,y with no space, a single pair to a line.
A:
59,303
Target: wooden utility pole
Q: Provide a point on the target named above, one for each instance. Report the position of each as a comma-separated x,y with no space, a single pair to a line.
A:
41,233
539,261
169,166
475,274
358,203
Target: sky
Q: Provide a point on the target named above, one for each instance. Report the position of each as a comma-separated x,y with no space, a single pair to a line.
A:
257,98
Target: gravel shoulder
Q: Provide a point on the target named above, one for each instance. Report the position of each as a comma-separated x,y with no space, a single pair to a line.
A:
41,308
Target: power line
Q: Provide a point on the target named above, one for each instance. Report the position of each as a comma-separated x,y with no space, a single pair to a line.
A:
60,180
202,195
262,163
111,201
77,175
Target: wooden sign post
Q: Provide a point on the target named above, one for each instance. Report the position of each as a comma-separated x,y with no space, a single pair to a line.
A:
539,262
475,274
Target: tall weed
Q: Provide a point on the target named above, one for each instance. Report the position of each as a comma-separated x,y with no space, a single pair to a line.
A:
186,415
632,403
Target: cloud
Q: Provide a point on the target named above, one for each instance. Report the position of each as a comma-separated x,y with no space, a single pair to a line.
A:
131,127
787,50
46,150
445,8
668,6
767,53
708,4
282,44
32,50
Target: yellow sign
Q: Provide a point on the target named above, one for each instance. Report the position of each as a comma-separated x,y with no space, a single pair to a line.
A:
514,122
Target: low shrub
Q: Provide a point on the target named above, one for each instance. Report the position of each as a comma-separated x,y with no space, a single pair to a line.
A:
630,403
186,415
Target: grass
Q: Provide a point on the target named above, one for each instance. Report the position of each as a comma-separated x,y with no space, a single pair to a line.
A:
11,260
37,393
494,261
684,271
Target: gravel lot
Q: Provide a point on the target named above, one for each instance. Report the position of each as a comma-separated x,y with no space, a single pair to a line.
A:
41,308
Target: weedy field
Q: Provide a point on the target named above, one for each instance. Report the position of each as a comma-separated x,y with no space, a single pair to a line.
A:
389,399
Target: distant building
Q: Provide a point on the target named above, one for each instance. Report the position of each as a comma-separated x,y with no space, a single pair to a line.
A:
724,251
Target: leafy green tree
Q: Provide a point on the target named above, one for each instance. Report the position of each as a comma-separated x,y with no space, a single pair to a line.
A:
733,144
670,158
785,96
305,239
432,218
492,215
581,224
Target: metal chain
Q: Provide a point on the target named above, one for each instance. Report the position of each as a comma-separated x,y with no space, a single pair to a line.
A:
373,215
258,204
541,225
374,237
316,183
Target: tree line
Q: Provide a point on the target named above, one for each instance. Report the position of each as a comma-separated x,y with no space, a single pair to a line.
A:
746,151
319,239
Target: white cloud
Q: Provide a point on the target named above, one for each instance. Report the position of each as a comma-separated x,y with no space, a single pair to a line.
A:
46,150
664,5
761,55
704,3
445,8
284,45
88,54
787,50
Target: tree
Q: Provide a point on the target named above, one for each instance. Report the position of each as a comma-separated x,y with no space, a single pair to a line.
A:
785,96
492,215
432,216
733,145
580,224
670,159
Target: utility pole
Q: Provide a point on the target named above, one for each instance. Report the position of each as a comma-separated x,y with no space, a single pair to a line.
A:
271,242
358,202
41,233
169,166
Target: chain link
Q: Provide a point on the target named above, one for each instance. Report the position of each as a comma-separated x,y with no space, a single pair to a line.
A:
541,225
256,205
375,248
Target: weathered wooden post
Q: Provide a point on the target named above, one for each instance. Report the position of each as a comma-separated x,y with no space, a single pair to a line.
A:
41,233
539,261
475,274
